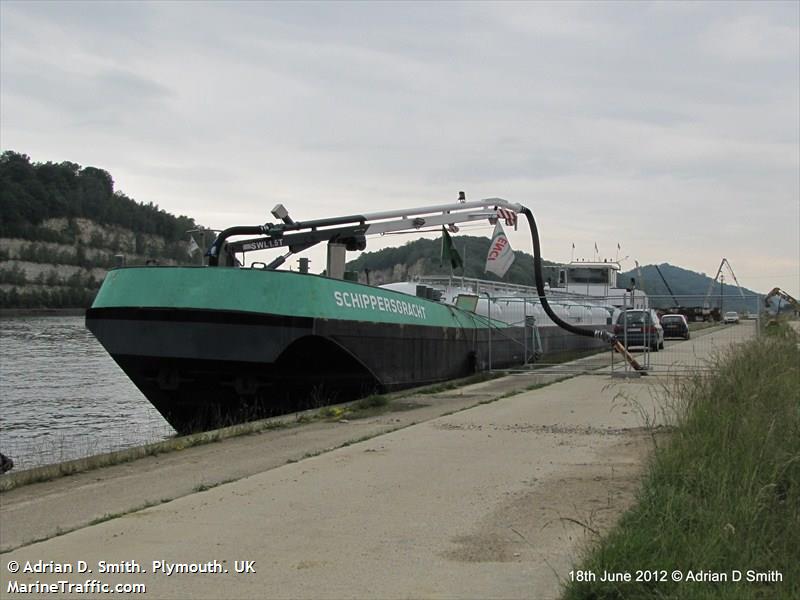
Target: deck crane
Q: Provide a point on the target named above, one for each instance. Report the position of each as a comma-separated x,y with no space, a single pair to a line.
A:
723,263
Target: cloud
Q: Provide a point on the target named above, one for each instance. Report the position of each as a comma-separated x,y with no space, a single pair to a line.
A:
108,91
604,116
752,38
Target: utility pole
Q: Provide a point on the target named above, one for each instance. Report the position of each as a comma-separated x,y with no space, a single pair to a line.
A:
464,266
722,295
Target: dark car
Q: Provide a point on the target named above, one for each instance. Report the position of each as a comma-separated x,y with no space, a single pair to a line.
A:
675,326
639,327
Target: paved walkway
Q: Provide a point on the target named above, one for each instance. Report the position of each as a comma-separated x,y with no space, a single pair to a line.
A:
494,501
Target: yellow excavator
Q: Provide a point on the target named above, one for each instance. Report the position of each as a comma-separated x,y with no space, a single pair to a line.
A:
783,296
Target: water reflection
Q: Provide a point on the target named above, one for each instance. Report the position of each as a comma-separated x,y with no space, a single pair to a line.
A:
63,397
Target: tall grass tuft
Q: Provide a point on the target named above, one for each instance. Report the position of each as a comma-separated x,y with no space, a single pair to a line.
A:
724,493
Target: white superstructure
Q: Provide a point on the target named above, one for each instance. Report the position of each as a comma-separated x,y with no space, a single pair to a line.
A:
585,293
599,280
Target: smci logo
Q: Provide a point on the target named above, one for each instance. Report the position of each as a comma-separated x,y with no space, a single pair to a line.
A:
498,248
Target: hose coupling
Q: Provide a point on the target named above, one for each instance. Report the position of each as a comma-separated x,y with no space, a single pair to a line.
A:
606,336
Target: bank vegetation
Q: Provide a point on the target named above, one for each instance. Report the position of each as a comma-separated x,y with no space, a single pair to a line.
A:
722,495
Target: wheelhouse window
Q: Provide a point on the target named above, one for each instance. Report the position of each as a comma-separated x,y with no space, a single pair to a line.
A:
587,275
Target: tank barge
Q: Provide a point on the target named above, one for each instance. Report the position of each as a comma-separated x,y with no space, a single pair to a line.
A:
221,344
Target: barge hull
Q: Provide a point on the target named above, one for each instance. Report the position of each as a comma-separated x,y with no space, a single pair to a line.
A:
205,369
210,347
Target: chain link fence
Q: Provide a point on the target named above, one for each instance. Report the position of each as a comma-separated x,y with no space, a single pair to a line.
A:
664,334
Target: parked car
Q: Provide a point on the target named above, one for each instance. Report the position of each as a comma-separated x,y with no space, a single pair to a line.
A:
731,317
675,326
643,328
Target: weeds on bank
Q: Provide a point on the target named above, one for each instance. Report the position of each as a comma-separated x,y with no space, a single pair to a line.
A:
724,493
378,404
117,515
205,486
106,517
371,406
365,407
458,383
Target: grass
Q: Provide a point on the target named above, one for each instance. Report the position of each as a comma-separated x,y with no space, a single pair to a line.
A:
459,383
567,356
110,517
700,325
378,404
374,401
724,493
369,406
530,388
203,487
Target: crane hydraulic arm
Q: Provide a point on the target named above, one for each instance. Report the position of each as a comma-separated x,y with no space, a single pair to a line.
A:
781,294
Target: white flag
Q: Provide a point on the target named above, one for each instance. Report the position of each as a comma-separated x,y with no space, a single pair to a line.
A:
500,253
193,247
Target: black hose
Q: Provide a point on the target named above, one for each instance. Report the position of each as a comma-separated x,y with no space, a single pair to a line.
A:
216,247
537,271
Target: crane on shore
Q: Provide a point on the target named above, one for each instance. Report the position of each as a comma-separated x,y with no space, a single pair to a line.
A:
707,311
669,289
783,296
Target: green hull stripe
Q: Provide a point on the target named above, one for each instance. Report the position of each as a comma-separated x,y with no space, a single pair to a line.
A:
274,292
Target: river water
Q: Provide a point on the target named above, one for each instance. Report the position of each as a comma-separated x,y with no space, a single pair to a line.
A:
63,397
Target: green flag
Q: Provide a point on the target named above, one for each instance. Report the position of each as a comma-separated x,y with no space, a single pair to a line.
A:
449,252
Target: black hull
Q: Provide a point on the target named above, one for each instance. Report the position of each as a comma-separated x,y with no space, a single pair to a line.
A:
206,369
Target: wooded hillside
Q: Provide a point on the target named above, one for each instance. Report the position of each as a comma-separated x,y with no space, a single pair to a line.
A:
31,193
423,257
62,226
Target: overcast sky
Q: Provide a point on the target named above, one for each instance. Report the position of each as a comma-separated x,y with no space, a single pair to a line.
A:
670,128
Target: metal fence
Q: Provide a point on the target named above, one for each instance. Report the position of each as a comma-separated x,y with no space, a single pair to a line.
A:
547,348
714,327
